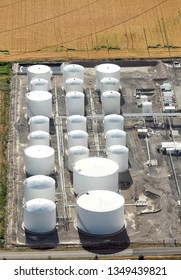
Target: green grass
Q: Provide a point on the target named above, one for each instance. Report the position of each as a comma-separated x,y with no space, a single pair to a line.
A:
5,77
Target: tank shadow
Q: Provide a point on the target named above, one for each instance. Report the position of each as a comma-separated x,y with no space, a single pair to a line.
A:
86,98
125,180
105,245
54,176
52,126
122,100
42,241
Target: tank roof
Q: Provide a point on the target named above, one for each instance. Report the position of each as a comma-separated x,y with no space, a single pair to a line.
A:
100,201
76,118
39,119
78,150
39,181
109,80
39,95
107,68
39,134
39,151
147,103
113,117
95,167
77,133
39,205
38,81
39,69
111,93
73,68
74,81
75,93
118,149
116,132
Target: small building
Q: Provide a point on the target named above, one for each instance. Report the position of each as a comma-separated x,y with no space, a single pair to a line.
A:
142,132
177,64
166,86
169,109
171,148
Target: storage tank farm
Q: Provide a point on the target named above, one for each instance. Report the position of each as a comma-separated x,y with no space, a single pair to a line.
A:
99,206
39,157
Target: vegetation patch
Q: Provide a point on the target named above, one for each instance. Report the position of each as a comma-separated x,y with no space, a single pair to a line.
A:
158,46
4,51
5,76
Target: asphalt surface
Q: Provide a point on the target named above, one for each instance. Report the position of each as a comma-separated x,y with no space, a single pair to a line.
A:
80,254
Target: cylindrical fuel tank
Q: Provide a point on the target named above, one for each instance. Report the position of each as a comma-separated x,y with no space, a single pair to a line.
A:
95,173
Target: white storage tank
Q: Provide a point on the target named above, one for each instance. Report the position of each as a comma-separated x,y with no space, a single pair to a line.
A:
40,215
113,121
62,66
115,137
75,103
100,212
39,160
119,154
39,137
77,138
39,186
39,71
95,173
73,71
106,70
111,102
39,123
39,84
74,84
144,98
76,122
39,103
147,107
109,83
76,153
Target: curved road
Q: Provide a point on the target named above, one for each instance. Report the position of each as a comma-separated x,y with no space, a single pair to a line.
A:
80,254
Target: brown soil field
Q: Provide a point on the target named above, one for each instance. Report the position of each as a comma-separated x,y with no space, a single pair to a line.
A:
89,29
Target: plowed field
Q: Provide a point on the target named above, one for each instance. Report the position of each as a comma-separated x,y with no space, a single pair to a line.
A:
68,29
